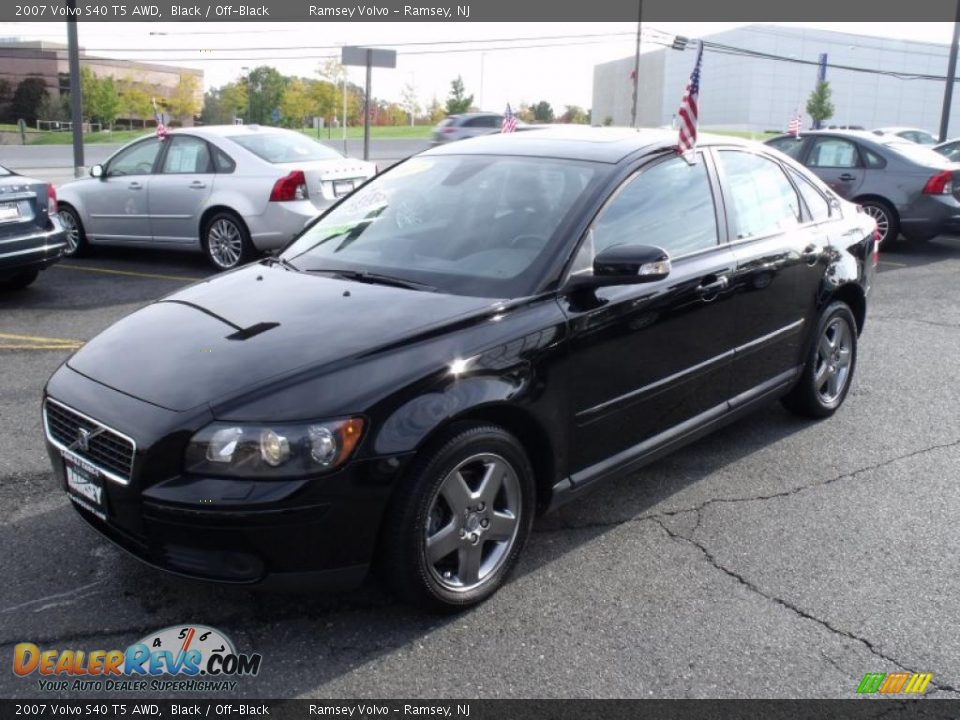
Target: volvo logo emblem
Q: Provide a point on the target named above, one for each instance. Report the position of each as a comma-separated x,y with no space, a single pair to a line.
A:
83,439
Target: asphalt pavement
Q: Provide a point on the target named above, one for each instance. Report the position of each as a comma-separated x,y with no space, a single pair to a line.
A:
776,558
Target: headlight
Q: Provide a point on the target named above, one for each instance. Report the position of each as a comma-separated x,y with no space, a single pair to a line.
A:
277,450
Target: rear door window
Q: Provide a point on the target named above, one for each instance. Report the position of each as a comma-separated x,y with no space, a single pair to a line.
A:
762,200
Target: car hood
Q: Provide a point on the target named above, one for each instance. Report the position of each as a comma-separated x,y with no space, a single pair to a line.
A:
220,338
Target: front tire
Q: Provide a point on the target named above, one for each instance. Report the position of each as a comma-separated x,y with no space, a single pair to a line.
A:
831,361
226,242
459,521
73,230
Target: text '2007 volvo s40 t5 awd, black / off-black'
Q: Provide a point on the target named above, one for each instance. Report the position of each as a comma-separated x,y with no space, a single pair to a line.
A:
475,336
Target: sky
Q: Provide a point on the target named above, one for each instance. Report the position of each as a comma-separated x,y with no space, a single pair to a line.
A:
495,67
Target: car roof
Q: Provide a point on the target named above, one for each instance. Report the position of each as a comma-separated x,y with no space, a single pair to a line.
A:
577,142
897,128
229,130
866,136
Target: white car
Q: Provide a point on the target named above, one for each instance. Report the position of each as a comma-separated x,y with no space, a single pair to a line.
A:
230,191
921,137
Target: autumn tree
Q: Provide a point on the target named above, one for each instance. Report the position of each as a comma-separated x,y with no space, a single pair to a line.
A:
137,102
295,104
183,103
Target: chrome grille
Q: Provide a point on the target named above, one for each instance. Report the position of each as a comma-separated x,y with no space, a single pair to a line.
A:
106,448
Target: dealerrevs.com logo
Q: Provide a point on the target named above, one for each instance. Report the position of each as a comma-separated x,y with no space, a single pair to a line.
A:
197,657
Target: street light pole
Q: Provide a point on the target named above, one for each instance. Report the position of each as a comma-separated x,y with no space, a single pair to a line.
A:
636,66
76,94
951,76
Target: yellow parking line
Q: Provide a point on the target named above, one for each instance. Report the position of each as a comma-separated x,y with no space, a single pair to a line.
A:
10,341
40,339
130,273
63,346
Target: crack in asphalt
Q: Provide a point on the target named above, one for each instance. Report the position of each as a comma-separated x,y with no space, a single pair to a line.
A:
711,558
564,526
952,326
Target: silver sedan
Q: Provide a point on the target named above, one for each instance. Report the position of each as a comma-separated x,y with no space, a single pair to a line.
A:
229,191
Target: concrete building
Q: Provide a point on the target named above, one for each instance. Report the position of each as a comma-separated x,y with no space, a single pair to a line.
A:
757,94
20,59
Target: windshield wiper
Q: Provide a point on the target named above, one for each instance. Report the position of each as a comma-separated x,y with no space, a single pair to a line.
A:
376,279
282,262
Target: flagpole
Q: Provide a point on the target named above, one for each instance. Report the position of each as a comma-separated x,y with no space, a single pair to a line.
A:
636,67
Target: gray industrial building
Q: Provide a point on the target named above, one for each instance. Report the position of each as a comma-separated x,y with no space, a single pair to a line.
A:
756,94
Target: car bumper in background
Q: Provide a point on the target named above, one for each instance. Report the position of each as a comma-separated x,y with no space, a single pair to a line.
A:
281,222
931,215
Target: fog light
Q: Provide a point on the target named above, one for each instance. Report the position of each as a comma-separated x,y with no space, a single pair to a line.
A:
323,445
274,449
223,444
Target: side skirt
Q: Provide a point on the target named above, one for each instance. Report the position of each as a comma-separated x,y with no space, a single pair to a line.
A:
669,440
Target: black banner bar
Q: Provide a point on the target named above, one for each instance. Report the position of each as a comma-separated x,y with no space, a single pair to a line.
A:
322,11
221,709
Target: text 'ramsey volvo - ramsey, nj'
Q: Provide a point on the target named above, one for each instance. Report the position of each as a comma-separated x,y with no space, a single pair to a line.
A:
477,335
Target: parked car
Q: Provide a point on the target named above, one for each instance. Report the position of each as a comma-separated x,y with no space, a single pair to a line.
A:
230,191
481,333
949,149
916,135
906,187
466,125
31,237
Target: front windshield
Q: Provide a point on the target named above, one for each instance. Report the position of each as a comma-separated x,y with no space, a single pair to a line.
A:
464,224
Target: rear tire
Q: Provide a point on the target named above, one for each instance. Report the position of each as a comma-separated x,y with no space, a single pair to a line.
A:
18,281
888,223
831,361
459,520
226,242
73,229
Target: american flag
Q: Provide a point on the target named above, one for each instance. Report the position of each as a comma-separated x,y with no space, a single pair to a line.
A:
689,112
509,124
794,127
161,128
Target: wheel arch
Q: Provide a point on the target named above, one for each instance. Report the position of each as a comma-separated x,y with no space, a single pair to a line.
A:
878,198
213,210
853,296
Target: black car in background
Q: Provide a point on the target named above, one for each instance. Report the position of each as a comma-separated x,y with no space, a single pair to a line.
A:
31,237
484,332
906,187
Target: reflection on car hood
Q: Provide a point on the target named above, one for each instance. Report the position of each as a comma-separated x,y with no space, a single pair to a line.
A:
221,337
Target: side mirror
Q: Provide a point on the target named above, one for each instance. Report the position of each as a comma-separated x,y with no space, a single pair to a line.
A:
625,265
96,171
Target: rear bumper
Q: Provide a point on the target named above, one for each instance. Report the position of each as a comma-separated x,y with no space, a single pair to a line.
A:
931,215
36,250
282,221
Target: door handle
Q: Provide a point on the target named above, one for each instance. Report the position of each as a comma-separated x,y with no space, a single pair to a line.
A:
708,291
811,254
135,186
847,177
197,185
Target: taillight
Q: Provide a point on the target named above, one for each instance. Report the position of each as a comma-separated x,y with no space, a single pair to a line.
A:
51,200
448,130
290,187
939,184
876,247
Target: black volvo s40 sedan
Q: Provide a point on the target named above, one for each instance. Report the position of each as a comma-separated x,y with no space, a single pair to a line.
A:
478,335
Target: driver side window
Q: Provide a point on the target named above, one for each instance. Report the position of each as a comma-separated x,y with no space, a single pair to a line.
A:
137,159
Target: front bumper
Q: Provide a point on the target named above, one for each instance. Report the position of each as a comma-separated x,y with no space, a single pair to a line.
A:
319,532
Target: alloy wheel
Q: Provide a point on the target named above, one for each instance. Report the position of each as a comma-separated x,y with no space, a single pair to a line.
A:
883,220
71,231
224,243
834,355
473,522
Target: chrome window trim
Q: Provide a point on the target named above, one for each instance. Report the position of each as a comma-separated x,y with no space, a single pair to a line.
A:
110,474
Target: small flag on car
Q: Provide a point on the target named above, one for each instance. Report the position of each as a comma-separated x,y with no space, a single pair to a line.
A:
509,124
161,128
689,112
794,127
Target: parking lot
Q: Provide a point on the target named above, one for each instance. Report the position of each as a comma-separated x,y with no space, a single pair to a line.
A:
778,557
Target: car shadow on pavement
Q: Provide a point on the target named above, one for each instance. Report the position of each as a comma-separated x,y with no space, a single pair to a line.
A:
906,254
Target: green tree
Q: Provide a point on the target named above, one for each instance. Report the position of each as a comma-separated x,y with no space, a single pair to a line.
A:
542,112
265,87
27,98
137,102
54,108
458,101
106,101
324,98
576,115
819,105
183,102
296,103
435,111
233,100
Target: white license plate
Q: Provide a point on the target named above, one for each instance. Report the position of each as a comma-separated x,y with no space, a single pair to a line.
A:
86,489
342,187
9,211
